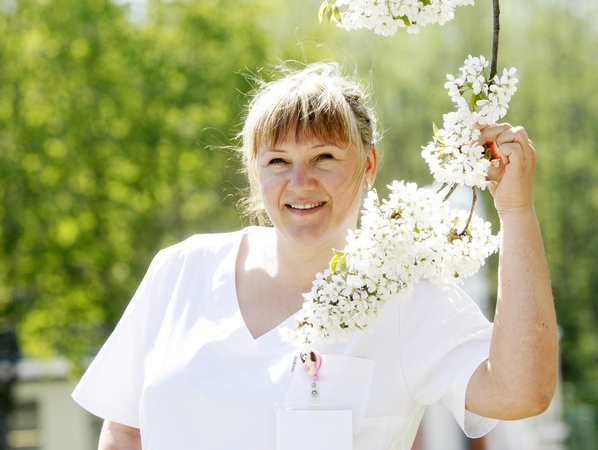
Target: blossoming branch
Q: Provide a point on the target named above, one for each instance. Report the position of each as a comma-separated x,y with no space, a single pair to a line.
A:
385,17
454,156
414,234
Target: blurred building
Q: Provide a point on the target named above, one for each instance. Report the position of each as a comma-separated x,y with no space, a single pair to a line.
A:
439,431
43,416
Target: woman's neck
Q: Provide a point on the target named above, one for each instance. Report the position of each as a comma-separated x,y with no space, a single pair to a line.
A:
292,263
271,277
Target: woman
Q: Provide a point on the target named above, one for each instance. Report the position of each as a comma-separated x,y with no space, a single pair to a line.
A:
197,361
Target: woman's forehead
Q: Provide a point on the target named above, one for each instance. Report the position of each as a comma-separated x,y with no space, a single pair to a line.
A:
292,140
306,138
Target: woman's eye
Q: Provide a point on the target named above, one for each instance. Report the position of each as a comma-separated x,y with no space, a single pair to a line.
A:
325,156
275,161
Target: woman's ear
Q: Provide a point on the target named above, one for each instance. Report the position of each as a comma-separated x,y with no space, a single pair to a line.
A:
371,166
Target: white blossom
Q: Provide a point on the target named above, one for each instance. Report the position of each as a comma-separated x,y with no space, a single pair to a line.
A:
385,17
412,235
453,155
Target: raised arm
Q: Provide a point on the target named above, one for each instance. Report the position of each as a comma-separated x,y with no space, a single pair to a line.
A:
519,378
115,436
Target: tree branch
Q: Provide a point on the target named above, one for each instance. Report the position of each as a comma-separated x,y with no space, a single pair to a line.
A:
471,211
450,192
495,33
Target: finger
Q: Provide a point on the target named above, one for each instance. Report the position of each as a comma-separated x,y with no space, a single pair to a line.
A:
496,153
495,174
504,134
514,134
512,153
490,133
516,140
488,136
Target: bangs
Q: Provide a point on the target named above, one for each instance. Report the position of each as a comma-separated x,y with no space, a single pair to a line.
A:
307,111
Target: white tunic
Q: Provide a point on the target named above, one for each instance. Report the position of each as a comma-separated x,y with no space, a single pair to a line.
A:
182,366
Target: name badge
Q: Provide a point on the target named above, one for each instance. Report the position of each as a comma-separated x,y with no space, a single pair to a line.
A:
314,430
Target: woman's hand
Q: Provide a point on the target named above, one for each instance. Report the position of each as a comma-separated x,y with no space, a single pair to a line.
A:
514,164
512,173
116,436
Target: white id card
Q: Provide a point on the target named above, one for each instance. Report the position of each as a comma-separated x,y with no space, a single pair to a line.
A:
314,430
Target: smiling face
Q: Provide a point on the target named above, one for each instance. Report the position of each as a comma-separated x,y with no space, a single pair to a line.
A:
312,190
315,105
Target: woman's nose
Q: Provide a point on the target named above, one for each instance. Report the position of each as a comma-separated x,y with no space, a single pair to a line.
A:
301,178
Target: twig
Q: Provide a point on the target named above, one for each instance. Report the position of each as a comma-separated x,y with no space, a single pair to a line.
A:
441,188
495,32
450,192
471,211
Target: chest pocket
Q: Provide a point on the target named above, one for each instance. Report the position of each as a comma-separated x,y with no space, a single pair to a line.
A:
344,383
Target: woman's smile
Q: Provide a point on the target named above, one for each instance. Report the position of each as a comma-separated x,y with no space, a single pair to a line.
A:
308,206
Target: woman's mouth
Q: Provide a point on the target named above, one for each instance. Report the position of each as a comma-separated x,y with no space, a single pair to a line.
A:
306,206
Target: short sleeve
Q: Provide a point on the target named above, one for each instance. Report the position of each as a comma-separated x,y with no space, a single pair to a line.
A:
444,338
111,386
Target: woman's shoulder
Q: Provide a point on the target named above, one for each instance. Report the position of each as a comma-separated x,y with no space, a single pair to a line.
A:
452,295
203,244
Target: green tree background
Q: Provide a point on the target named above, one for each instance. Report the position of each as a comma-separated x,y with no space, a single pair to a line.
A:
117,131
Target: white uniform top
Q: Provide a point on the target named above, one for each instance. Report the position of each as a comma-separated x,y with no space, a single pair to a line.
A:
182,366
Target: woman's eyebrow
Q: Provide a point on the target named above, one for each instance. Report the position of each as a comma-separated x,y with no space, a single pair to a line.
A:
313,147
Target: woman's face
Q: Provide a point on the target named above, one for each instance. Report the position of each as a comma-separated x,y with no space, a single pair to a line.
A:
311,190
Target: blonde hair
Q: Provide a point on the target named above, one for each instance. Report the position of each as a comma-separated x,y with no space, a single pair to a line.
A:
317,102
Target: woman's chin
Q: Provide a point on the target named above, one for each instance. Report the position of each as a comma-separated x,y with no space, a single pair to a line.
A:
318,236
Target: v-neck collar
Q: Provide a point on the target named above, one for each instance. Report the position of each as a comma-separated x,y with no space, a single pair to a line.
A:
225,306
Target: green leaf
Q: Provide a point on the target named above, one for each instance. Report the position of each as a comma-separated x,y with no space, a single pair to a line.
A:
337,14
472,102
324,8
339,255
405,20
436,135
344,265
334,263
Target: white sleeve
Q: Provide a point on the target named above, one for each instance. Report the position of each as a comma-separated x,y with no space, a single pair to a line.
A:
110,388
444,339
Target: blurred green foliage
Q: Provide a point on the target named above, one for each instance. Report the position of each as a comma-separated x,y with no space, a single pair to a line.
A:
115,140
111,148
